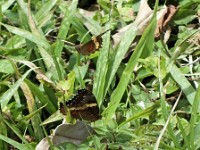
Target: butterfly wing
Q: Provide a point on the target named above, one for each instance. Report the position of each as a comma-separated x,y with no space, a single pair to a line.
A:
83,106
91,46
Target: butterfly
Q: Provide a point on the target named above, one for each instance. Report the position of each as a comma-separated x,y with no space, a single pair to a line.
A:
82,106
91,46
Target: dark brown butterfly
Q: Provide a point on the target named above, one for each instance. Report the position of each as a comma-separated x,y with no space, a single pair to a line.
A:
91,46
82,106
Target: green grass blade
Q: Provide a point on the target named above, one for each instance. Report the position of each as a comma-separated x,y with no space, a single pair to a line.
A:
92,25
14,128
184,84
5,98
101,71
31,104
42,44
164,110
80,29
119,54
30,115
165,115
42,98
4,132
45,11
64,28
28,35
185,137
37,31
14,143
15,41
144,113
119,91
6,5
193,120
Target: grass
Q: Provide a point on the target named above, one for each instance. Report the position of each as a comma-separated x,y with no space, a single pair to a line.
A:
148,100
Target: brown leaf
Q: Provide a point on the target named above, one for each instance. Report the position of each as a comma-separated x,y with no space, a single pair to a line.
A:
73,133
142,20
164,17
40,75
144,16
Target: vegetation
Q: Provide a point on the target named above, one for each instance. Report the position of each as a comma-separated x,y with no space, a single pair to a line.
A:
146,85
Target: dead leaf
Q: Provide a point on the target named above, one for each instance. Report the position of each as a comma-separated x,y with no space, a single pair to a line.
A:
171,12
87,13
167,35
160,19
40,75
43,144
164,16
144,16
142,20
73,133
